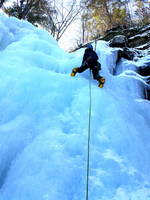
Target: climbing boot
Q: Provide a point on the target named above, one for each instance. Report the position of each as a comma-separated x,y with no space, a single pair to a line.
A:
101,82
74,71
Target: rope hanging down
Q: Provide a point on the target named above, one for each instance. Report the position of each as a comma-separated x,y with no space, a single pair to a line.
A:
89,136
88,146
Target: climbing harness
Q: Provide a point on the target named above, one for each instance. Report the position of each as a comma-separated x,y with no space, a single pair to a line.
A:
89,137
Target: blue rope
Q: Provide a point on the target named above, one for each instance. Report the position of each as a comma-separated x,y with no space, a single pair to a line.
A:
89,136
88,145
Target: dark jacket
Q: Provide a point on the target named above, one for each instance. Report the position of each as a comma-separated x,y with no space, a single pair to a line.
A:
90,57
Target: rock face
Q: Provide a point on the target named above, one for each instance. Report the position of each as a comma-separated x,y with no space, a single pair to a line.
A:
122,42
125,53
119,41
144,71
132,42
141,38
137,36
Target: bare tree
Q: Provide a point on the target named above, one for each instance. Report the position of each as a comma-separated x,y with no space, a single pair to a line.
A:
54,15
63,16
128,9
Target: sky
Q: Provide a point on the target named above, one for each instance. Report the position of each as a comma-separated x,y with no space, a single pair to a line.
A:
71,36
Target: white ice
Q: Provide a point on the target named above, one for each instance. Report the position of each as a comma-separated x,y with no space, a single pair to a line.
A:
44,122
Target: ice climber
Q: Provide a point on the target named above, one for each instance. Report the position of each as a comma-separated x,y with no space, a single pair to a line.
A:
90,60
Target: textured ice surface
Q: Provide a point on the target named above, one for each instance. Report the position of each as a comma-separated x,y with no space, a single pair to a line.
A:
44,123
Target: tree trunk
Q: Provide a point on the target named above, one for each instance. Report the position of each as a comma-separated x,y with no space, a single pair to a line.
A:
108,13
